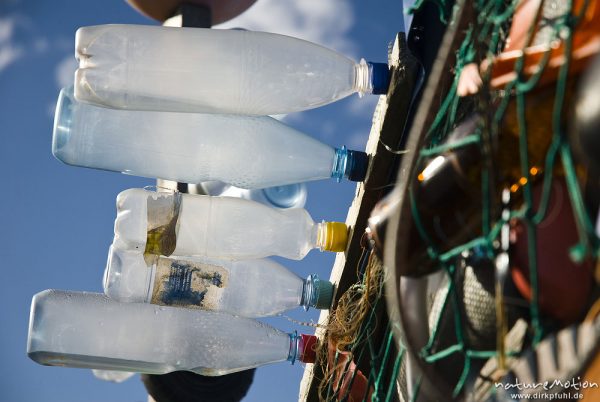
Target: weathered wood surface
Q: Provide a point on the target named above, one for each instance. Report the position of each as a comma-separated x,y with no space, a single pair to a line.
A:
385,135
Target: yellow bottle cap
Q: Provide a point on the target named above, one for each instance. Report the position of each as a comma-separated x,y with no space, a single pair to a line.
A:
335,237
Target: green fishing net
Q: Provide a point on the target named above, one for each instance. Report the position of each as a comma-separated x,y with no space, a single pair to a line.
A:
518,131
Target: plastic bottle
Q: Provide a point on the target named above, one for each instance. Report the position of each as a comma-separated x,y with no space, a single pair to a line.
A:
248,288
113,375
214,71
165,223
89,330
289,196
248,152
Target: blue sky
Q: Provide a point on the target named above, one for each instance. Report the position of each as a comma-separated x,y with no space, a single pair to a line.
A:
58,220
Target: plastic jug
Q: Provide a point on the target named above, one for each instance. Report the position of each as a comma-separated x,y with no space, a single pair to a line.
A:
247,152
166,223
142,67
249,288
89,330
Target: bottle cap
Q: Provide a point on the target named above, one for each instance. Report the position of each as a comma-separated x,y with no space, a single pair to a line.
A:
380,78
290,196
335,236
308,353
324,293
356,166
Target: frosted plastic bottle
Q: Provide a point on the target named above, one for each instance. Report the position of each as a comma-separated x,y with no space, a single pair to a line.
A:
141,67
289,196
90,330
247,152
248,288
165,223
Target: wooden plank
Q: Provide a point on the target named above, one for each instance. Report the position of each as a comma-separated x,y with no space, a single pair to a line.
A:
386,132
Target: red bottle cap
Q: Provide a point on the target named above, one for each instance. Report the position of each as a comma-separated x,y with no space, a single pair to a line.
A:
308,353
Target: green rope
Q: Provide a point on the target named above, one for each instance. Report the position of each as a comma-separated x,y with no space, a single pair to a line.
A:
456,251
443,353
330,383
462,380
426,351
415,395
491,15
440,4
390,339
390,391
463,142
531,229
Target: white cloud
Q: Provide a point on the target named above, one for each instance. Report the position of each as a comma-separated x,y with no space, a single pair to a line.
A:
8,55
64,71
324,22
64,43
6,29
365,104
9,51
40,45
14,48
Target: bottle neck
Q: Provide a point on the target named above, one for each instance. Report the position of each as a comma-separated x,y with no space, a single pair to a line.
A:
363,78
340,164
348,164
309,292
371,78
295,347
320,235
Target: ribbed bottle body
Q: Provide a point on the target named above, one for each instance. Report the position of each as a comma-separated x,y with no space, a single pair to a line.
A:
248,288
214,227
207,70
89,330
247,152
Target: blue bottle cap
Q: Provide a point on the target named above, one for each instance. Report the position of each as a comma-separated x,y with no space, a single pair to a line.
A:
323,293
380,78
356,166
290,196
